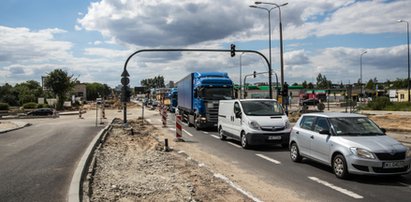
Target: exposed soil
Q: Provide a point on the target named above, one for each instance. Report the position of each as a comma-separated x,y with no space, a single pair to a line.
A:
137,168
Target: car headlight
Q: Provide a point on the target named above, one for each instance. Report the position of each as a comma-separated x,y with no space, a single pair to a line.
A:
254,125
362,153
287,124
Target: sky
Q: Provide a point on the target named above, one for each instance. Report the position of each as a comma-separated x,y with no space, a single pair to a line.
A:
92,40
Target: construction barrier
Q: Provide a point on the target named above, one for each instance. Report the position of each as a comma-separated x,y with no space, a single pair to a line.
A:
164,116
178,128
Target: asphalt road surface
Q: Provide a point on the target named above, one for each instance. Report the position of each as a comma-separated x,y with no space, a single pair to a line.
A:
312,181
37,162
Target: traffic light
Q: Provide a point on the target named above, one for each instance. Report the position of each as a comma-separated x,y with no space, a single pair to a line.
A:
125,94
254,74
232,51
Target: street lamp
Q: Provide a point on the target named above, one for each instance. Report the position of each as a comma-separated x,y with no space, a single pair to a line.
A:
241,67
281,39
269,44
408,42
361,72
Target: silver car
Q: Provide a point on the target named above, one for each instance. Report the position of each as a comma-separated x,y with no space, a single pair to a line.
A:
349,143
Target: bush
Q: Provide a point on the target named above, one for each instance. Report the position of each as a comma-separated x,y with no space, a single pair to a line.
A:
379,103
30,105
4,106
43,106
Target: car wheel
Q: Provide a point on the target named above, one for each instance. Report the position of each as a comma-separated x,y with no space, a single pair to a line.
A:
340,166
295,153
221,133
244,142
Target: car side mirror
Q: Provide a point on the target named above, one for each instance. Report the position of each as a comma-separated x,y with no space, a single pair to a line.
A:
324,132
238,114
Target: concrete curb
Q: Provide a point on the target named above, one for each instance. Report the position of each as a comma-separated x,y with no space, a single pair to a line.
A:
75,190
19,126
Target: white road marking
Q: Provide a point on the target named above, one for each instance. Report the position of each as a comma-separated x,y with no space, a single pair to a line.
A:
215,136
235,145
173,129
269,159
205,132
339,189
189,134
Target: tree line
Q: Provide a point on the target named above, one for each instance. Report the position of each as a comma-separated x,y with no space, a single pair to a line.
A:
59,84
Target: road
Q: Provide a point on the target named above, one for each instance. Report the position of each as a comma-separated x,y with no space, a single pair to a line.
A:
37,162
310,180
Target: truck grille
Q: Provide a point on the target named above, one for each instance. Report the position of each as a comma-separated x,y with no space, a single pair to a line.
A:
212,112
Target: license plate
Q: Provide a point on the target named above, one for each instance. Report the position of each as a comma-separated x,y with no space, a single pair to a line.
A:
394,164
274,137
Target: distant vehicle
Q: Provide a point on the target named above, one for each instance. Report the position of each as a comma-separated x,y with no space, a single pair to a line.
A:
349,143
253,122
198,96
153,105
41,112
173,99
99,100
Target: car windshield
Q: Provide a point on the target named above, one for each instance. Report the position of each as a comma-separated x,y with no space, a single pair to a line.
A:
354,126
262,108
216,93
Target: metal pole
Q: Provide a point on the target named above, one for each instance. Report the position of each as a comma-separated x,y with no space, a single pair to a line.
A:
270,68
408,42
241,69
281,52
269,49
361,74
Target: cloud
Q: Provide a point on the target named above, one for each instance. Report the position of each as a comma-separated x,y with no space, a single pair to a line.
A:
22,44
166,23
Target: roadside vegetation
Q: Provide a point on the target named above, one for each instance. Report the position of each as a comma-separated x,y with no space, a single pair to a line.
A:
384,103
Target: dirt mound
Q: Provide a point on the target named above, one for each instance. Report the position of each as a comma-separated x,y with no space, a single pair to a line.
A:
136,167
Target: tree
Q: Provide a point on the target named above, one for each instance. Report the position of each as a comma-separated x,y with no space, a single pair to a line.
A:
28,91
8,95
322,82
60,84
156,82
304,84
95,90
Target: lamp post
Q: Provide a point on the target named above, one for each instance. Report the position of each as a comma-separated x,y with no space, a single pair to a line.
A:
408,42
269,43
361,73
281,39
241,69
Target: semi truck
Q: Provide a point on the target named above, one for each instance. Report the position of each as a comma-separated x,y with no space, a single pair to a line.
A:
172,95
199,94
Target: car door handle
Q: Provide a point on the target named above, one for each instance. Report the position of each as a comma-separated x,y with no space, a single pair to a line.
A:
312,137
297,132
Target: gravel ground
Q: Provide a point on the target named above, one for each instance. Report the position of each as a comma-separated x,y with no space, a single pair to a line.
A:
136,168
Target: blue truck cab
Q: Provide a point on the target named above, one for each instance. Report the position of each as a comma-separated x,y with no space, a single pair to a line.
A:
199,94
172,95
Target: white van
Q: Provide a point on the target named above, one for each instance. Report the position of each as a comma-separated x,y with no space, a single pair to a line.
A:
253,122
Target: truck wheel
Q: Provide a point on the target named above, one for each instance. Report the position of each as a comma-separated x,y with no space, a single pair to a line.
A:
196,124
221,133
244,141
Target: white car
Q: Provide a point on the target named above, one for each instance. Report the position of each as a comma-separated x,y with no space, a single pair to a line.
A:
349,143
253,122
